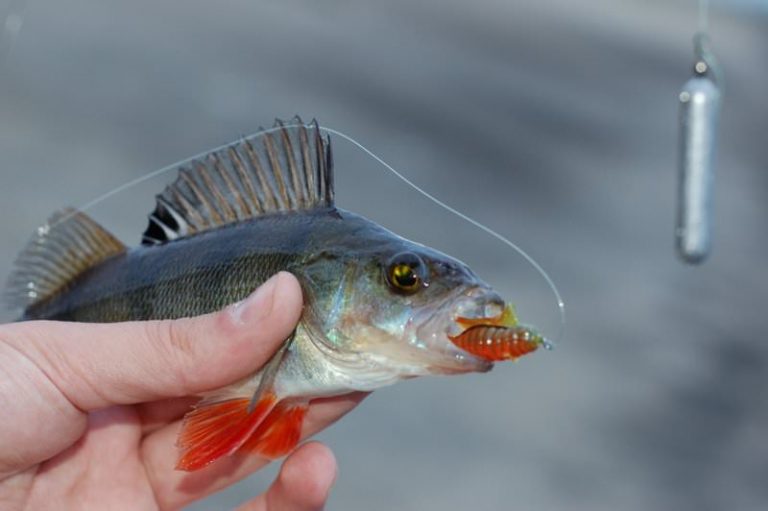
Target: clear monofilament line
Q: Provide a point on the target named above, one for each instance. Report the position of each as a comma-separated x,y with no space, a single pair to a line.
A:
11,21
530,260
703,16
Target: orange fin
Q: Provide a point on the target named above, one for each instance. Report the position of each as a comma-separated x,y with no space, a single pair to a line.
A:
219,428
280,431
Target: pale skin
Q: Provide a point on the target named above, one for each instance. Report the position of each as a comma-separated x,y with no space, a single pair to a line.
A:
90,412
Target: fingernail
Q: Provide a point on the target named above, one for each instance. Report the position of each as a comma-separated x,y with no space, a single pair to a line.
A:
258,305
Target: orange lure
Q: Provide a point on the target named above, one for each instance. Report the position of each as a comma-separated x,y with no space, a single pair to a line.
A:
495,339
498,342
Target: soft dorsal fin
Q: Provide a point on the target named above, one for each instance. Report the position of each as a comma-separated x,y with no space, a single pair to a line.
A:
66,246
287,168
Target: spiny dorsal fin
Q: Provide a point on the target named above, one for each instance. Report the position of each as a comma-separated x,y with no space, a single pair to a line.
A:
287,168
67,245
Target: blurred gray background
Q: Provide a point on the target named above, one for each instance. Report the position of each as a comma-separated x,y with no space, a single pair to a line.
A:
552,121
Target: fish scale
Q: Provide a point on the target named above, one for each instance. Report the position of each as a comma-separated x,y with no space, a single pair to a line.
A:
199,275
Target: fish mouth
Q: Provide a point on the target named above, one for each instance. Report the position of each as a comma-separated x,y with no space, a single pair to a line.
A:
470,331
482,329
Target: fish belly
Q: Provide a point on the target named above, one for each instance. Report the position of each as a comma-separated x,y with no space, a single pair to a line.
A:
312,370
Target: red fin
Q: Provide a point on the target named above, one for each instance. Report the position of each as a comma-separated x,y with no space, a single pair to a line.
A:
280,431
216,429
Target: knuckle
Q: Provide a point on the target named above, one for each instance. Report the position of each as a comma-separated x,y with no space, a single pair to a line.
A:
179,337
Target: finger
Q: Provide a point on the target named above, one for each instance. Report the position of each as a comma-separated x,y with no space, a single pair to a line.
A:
175,488
303,484
157,414
97,365
91,471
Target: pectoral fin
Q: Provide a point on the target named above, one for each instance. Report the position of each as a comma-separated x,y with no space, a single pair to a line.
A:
269,372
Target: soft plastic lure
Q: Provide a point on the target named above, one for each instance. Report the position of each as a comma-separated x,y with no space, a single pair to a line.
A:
499,338
496,343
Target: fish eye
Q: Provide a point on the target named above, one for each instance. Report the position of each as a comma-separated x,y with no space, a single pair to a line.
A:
406,273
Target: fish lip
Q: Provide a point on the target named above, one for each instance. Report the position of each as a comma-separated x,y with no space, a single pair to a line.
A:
451,359
469,363
462,361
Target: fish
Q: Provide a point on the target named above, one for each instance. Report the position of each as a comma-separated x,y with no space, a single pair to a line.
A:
378,308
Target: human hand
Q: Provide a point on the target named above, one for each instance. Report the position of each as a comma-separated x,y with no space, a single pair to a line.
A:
90,412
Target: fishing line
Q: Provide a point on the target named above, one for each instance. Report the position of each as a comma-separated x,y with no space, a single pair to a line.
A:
706,60
703,16
10,26
528,258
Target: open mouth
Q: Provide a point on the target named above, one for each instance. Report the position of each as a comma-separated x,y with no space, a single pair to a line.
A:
496,338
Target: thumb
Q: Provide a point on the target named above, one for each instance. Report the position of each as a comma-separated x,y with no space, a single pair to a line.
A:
98,365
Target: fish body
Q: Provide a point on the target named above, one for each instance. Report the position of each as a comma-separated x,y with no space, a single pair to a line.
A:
378,308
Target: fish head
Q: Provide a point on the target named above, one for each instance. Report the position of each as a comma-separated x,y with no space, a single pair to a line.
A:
400,304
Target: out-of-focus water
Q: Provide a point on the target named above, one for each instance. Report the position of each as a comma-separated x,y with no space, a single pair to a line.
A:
552,121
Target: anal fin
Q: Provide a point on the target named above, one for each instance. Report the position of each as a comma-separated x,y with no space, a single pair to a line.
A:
219,428
280,431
